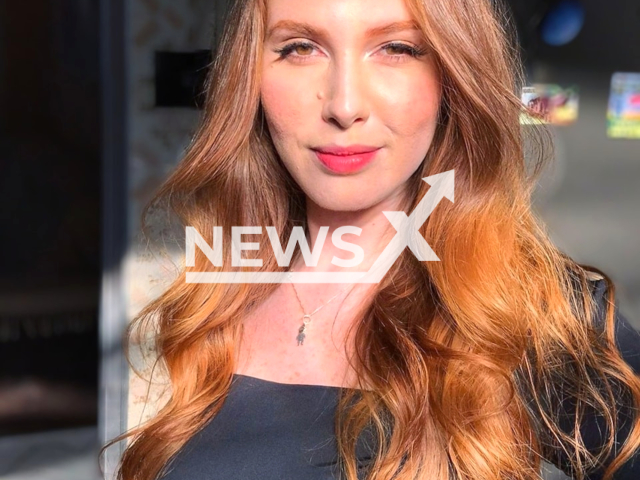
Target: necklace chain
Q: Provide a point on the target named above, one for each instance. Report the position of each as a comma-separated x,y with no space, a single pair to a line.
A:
306,318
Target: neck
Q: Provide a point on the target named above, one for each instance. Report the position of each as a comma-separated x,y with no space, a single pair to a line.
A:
376,232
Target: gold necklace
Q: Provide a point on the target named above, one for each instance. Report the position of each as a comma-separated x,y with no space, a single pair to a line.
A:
306,317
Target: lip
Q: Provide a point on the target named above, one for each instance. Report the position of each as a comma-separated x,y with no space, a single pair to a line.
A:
349,159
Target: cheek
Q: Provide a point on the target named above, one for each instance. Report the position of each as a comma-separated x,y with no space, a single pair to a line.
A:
284,103
410,102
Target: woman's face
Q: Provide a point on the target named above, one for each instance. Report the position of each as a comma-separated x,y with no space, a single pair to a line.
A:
341,78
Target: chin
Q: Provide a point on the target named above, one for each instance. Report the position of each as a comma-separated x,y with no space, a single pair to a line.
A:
347,201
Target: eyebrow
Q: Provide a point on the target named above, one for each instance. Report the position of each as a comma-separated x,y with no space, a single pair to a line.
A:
307,29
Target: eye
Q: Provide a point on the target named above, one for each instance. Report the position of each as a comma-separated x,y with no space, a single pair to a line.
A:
300,50
398,50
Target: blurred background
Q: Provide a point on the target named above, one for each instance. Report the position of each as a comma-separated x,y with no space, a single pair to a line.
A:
99,98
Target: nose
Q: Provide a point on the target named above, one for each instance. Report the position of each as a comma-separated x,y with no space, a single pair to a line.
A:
345,102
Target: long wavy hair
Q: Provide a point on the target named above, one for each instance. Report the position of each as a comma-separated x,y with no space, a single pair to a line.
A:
463,359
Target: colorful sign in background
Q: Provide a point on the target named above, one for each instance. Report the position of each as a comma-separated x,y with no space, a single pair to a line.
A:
623,113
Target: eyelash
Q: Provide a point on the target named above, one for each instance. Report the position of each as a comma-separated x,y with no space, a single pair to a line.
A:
285,51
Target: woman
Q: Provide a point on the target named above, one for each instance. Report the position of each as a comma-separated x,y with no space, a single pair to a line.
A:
478,366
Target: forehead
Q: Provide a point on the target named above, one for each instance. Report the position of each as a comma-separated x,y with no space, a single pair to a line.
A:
368,16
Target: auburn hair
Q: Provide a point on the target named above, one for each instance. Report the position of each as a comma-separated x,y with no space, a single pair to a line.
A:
463,359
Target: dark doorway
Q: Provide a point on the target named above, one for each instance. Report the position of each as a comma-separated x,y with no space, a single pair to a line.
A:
50,197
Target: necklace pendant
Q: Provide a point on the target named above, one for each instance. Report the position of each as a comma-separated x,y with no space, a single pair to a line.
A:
301,334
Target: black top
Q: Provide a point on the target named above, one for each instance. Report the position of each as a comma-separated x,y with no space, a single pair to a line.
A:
273,431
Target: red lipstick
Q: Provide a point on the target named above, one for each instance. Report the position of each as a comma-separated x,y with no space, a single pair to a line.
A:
347,159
